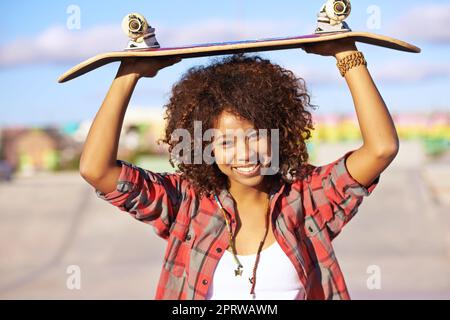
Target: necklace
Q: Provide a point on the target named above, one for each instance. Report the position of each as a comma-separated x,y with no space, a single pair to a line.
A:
238,270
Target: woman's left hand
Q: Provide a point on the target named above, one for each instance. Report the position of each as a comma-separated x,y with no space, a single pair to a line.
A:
336,48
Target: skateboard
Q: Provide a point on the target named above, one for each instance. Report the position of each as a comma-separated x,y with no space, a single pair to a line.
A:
330,27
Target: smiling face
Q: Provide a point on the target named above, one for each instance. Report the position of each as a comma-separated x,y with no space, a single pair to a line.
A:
239,150
273,98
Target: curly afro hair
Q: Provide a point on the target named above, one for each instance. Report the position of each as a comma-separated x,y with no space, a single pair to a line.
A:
250,87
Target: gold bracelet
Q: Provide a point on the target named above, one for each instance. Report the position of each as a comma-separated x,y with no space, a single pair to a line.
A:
351,61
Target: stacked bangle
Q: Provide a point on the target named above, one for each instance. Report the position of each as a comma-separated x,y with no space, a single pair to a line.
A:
351,61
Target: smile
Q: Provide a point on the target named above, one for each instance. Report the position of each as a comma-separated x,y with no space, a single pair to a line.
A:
247,171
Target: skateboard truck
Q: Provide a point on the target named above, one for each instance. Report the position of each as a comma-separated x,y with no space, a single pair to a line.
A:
142,35
332,15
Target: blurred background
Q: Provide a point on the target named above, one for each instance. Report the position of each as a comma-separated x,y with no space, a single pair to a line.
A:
57,240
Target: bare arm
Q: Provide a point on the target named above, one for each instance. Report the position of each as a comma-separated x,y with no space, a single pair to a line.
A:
380,140
98,160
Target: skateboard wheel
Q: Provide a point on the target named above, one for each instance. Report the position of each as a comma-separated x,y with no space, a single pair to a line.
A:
134,25
338,10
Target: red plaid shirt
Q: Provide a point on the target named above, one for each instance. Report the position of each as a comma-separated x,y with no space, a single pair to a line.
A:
306,216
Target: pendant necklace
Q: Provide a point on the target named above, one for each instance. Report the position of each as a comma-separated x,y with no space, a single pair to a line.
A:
238,271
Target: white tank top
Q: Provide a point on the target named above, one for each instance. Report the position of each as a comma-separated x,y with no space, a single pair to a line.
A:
276,277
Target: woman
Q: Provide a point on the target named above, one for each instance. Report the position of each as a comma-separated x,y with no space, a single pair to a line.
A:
234,232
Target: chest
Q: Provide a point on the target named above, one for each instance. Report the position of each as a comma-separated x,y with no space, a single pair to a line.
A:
253,227
249,233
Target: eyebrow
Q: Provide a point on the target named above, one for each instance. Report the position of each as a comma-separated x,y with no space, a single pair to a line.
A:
249,134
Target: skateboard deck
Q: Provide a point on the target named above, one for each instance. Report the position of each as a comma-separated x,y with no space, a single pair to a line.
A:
144,50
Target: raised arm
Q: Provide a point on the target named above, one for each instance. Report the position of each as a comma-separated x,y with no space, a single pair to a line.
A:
380,140
98,164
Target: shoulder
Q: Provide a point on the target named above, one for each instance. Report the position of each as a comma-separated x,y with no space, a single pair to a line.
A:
314,174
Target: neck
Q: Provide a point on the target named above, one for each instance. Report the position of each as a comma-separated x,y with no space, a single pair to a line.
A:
249,195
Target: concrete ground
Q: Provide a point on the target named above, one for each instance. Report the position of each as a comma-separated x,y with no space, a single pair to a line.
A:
50,223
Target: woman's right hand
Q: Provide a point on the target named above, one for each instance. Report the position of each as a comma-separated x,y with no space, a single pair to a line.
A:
145,67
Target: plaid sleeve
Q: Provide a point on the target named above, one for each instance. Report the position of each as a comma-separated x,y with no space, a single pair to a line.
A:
336,194
149,197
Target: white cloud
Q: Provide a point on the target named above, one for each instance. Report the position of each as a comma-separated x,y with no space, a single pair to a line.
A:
430,23
59,45
394,71
316,75
218,31
408,72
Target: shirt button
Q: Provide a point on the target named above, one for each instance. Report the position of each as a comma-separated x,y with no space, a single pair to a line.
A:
219,250
205,282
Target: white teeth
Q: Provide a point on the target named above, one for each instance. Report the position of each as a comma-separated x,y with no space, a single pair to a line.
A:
246,169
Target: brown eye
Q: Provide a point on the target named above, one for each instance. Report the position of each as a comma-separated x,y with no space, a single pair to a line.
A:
226,143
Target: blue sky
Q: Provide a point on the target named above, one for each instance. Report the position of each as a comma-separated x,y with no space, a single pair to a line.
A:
36,47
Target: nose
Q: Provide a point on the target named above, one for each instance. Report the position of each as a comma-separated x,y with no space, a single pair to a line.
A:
245,152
